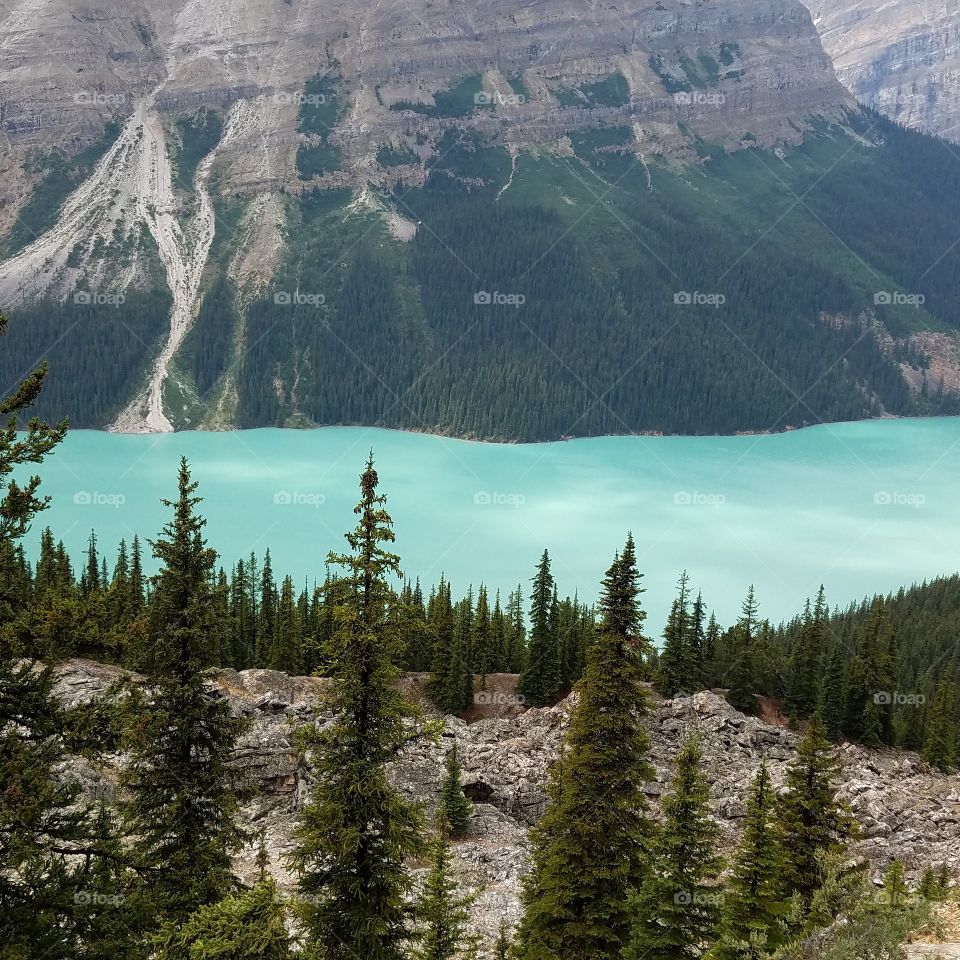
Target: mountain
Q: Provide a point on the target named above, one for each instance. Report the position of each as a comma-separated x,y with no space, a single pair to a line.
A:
901,58
506,222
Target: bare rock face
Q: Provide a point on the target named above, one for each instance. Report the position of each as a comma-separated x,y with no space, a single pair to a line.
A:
66,68
905,809
901,58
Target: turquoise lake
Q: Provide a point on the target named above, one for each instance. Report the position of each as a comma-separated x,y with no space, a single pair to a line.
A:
859,507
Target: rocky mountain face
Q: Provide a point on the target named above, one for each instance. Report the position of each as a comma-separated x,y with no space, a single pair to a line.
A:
105,185
905,809
901,58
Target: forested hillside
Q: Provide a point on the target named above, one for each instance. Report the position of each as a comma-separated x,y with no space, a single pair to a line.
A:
545,294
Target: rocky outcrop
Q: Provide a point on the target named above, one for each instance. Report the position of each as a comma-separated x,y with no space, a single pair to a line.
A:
905,809
901,58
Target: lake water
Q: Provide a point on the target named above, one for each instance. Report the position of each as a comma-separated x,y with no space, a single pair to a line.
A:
859,507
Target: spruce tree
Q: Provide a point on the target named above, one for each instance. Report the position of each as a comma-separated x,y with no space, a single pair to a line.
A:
678,668
245,925
182,802
940,744
357,831
677,907
895,885
539,682
927,888
442,913
944,880
830,703
752,905
805,665
589,848
451,682
455,805
811,822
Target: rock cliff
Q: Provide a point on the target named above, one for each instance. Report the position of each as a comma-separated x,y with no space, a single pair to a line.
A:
900,58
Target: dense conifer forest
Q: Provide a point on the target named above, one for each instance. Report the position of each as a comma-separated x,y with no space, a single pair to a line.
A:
542,311
153,876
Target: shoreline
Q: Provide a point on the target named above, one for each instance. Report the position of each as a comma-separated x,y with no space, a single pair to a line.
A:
649,435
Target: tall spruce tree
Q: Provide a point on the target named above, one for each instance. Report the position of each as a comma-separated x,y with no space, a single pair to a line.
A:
182,801
589,848
677,907
357,831
539,682
753,907
811,822
453,801
442,912
940,743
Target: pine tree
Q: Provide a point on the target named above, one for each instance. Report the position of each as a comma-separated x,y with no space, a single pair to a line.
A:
752,905
357,830
895,885
456,806
944,880
539,682
678,665
742,675
481,652
518,632
677,907
940,746
589,847
810,820
182,803
805,666
442,913
286,635
247,925
927,888
451,682
871,680
830,704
